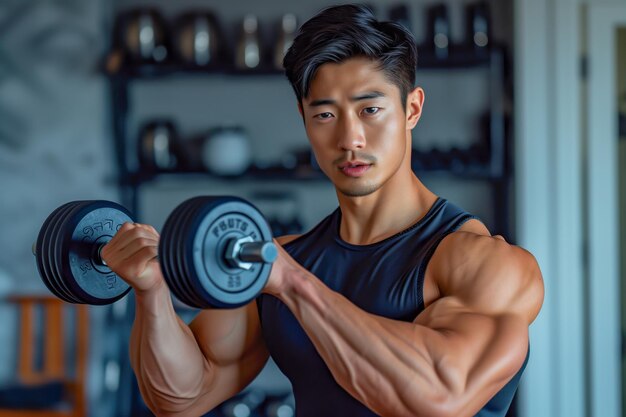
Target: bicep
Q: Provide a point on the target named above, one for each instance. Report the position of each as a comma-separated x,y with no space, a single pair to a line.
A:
488,275
474,354
232,342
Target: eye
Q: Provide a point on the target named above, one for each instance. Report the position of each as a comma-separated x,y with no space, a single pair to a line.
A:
323,116
371,110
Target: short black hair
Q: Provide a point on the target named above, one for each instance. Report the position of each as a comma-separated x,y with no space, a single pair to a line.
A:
341,32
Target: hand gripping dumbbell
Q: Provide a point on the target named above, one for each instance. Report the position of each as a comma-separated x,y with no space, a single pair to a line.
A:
213,252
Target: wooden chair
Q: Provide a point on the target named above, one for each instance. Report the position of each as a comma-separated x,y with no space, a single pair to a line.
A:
65,390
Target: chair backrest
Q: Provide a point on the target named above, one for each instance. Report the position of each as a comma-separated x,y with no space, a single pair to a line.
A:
53,350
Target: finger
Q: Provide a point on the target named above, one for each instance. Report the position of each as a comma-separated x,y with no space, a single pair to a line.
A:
141,258
140,240
143,255
130,244
126,234
132,268
150,228
114,255
121,235
131,264
136,246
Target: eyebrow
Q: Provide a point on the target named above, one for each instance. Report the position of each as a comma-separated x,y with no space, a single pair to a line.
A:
365,96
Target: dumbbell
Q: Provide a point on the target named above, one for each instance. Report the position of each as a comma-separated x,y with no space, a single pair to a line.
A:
214,251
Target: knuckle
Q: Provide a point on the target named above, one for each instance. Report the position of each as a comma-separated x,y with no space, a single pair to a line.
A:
132,234
123,230
144,242
126,226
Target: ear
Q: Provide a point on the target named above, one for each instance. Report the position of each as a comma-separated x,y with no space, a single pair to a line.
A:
414,105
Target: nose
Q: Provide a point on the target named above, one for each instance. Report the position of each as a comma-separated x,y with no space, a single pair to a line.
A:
351,134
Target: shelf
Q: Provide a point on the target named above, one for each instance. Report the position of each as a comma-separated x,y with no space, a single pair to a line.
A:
168,70
139,178
461,57
271,175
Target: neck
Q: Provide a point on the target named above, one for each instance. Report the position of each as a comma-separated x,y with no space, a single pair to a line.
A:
401,202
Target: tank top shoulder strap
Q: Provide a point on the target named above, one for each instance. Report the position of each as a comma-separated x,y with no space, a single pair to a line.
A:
447,218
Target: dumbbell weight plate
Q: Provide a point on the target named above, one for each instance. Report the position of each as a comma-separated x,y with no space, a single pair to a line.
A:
54,251
90,225
177,251
44,258
44,266
219,220
56,239
192,250
66,252
168,260
164,260
172,250
185,246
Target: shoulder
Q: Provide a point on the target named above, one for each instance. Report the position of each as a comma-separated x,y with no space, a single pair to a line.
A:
283,240
488,273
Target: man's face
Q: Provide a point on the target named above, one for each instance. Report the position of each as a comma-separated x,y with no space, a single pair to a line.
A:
357,126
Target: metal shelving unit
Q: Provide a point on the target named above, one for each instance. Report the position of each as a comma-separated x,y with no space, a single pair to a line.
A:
496,170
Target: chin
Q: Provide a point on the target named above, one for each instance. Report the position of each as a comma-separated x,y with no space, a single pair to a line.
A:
358,190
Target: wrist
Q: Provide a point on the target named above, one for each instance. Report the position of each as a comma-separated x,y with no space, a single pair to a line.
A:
289,282
153,299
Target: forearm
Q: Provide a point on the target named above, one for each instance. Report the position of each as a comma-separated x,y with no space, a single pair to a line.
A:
165,356
379,361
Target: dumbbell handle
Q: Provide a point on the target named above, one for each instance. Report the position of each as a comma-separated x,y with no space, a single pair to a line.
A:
248,252
243,252
258,252
97,257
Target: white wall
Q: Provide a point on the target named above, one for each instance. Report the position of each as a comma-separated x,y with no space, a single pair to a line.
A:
566,202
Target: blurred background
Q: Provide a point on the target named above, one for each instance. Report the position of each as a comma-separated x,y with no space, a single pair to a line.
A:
148,103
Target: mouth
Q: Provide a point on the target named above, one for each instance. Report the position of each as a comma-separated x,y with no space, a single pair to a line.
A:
354,168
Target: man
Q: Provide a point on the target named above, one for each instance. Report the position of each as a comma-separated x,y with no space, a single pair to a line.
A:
397,304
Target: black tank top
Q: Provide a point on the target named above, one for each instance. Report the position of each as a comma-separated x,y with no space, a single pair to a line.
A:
384,278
